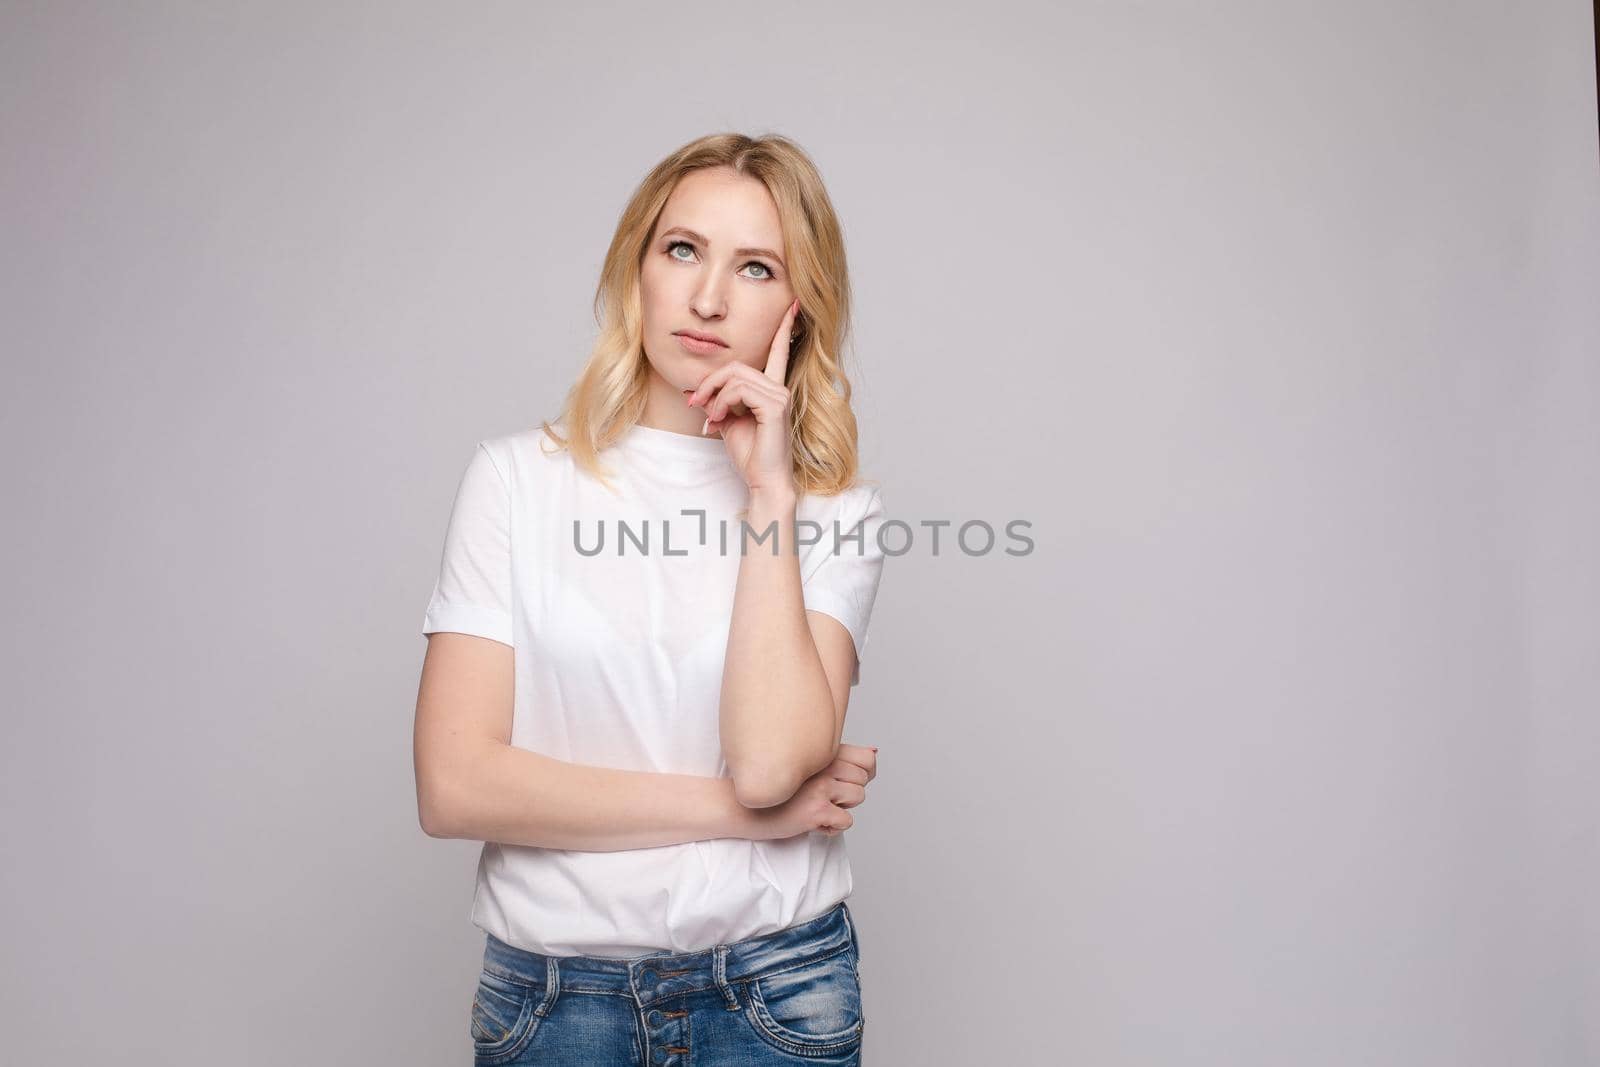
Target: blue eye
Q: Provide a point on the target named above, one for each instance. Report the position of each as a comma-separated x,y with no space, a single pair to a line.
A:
768,276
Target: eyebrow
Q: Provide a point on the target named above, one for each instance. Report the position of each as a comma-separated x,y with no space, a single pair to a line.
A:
769,253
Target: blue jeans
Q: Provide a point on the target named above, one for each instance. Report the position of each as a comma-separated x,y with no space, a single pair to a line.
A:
789,997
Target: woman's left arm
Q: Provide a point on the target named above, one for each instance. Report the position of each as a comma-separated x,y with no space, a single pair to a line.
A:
782,710
783,699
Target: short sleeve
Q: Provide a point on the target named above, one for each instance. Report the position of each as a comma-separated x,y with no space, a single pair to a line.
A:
473,593
846,566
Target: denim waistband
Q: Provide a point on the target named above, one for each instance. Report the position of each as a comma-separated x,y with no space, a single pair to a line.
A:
659,975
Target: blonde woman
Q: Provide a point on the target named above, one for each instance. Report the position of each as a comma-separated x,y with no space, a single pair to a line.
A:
648,619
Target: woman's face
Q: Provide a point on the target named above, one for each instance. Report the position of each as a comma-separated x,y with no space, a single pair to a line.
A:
715,266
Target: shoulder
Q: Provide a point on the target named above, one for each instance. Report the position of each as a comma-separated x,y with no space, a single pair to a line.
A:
523,454
861,500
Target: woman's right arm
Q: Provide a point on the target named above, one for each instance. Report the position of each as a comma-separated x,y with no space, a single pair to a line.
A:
471,782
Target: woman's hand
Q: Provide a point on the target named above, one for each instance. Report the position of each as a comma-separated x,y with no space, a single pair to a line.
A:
750,409
819,803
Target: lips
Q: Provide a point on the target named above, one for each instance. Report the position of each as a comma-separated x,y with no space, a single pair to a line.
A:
698,336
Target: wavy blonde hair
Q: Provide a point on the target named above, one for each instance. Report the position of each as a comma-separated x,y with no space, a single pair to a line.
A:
608,397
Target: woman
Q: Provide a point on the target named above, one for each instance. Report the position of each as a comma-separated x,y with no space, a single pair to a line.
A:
639,717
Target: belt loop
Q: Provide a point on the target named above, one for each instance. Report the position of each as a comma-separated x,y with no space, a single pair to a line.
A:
719,971
855,942
552,973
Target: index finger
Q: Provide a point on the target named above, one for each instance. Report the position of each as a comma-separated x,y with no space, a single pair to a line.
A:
778,357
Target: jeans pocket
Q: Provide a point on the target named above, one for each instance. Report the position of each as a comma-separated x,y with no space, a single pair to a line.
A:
503,1017
812,1008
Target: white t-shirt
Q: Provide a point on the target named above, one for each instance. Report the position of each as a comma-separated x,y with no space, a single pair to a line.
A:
619,664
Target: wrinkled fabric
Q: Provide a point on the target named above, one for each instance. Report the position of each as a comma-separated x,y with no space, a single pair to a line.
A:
794,995
618,663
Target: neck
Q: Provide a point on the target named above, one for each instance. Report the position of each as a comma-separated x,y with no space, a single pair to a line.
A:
666,407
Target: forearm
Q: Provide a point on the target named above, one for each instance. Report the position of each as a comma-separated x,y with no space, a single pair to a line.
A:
516,796
777,716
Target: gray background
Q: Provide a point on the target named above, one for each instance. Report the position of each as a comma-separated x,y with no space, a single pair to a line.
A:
1276,320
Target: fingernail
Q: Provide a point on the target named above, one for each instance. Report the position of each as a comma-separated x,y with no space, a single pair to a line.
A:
706,428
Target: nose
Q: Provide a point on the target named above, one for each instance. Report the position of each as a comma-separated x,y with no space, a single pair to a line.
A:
709,301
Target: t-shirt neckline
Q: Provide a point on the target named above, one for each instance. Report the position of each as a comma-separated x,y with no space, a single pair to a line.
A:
650,440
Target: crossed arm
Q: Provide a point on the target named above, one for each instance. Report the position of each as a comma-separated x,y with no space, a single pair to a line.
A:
472,783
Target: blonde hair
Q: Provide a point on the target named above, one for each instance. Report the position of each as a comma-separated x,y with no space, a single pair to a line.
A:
608,397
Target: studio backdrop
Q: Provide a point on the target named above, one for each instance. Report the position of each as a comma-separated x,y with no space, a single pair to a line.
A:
1272,326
